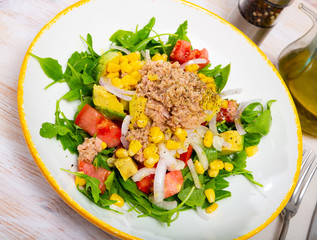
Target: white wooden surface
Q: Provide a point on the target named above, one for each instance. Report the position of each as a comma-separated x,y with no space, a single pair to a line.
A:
29,207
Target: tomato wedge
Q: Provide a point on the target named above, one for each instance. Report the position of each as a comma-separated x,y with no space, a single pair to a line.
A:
95,123
146,184
186,155
228,114
100,173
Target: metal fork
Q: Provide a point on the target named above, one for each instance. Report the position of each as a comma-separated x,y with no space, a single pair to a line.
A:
292,206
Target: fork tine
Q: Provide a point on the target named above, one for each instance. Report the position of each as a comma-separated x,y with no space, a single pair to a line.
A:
300,187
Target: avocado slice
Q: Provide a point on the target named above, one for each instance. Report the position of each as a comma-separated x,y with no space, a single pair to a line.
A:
235,139
103,61
107,103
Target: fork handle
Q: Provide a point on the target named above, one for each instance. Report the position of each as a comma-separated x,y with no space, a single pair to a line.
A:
286,219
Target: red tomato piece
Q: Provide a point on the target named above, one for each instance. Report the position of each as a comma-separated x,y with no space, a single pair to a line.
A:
173,183
186,155
100,173
228,114
95,123
181,51
146,184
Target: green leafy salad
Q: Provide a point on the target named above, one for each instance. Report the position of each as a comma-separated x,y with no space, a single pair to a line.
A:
153,133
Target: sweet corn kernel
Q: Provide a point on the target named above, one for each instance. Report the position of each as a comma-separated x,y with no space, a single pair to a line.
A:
150,151
117,82
208,139
251,150
121,153
216,164
210,194
172,145
118,198
113,75
104,145
113,67
136,75
111,161
158,57
177,155
213,207
156,135
134,147
206,79
141,123
192,68
213,173
117,58
152,77
228,167
199,167
150,162
224,104
124,58
126,67
80,181
181,134
136,65
134,57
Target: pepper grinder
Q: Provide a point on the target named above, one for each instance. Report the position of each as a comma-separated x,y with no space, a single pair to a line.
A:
256,18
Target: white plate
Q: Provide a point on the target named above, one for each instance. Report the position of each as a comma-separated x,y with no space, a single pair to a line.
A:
276,165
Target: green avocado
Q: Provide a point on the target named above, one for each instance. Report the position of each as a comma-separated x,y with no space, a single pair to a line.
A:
107,103
103,61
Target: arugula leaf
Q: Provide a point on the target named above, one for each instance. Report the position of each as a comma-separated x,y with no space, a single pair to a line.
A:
50,130
197,198
180,34
109,182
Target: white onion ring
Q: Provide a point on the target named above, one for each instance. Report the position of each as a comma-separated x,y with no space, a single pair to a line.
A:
201,213
231,92
239,127
217,142
120,93
167,205
124,130
122,49
193,61
213,126
194,173
159,181
147,55
168,157
201,155
142,173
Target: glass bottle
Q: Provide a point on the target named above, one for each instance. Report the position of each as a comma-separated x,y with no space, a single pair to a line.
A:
297,64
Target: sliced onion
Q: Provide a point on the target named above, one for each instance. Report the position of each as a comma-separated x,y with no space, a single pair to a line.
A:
142,173
231,92
239,127
172,163
213,126
159,181
124,130
194,173
201,213
194,61
167,205
226,144
217,142
147,55
120,93
201,155
122,49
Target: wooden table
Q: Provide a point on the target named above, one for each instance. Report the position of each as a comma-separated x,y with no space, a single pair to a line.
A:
29,207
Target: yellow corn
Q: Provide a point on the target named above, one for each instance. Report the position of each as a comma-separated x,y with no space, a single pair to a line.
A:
216,164
104,145
172,145
113,75
126,67
192,68
135,56
152,77
121,153
206,79
213,173
117,82
251,150
134,147
111,161
177,155
158,57
213,207
150,151
137,65
136,75
156,135
208,139
150,162
113,67
224,104
124,58
118,198
228,167
210,194
199,167
80,181
117,58
141,123
181,134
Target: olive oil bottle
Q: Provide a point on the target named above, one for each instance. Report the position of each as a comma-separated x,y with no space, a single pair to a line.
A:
299,71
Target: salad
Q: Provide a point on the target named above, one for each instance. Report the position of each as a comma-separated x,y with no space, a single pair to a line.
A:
153,130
